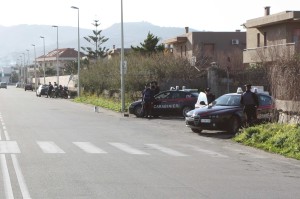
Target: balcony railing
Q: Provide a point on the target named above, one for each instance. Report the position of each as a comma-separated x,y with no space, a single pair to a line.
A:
270,53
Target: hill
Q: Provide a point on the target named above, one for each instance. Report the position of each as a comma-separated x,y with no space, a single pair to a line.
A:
15,40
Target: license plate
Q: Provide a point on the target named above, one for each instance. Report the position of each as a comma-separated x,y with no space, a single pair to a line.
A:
205,121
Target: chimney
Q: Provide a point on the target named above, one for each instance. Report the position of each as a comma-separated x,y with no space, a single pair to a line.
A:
267,10
186,29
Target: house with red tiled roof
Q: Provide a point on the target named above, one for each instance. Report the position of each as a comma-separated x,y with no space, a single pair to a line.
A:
63,55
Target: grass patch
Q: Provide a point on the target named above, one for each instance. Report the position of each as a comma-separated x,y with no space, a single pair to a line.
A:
283,139
108,103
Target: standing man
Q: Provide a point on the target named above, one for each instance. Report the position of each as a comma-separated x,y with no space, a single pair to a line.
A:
250,102
50,88
210,97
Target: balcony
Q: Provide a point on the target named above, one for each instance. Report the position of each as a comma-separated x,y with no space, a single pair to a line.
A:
270,53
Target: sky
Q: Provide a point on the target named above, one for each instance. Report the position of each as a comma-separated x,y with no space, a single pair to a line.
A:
208,15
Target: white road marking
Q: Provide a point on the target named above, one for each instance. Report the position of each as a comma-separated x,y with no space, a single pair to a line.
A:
166,150
6,135
128,149
49,147
89,147
9,147
20,177
6,179
208,152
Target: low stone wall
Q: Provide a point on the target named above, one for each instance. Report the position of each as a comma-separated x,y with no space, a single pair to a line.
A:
288,111
65,80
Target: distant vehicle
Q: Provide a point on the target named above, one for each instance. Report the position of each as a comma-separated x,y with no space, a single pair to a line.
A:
28,87
226,113
168,103
3,85
42,90
18,85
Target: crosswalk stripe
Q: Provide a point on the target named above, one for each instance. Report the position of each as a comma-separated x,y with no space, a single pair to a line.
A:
9,147
127,148
166,150
49,147
89,147
209,152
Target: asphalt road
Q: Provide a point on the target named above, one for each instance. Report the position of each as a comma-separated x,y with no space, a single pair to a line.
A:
55,148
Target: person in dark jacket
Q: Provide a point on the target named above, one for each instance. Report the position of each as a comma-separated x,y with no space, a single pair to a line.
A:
50,88
250,102
146,99
210,97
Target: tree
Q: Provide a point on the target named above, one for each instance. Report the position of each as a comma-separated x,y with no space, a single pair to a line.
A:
150,45
96,40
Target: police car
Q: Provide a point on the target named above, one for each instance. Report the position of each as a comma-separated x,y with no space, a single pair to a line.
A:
226,113
173,102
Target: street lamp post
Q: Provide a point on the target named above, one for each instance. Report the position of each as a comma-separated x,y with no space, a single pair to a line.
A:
78,62
21,71
23,68
57,68
44,59
122,63
35,80
26,69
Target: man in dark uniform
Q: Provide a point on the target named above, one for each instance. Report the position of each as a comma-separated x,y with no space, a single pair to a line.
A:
250,102
210,97
50,88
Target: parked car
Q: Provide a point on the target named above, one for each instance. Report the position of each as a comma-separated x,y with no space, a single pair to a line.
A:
42,90
3,85
168,103
226,113
28,87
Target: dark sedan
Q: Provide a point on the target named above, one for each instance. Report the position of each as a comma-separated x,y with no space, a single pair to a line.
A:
168,103
226,113
28,87
42,90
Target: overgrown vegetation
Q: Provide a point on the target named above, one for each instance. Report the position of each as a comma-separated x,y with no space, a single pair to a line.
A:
283,139
101,101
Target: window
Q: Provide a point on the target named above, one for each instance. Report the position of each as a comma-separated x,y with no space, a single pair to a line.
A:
265,38
264,100
258,39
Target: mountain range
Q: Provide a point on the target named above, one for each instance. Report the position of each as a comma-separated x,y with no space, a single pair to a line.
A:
16,40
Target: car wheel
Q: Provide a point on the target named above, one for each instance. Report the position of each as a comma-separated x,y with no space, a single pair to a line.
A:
197,130
235,125
185,110
138,111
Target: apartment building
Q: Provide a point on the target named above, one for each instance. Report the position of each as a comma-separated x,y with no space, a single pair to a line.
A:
272,36
206,46
64,55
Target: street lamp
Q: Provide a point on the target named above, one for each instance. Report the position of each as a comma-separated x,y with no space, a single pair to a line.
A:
23,69
57,68
26,69
44,59
78,62
35,80
122,63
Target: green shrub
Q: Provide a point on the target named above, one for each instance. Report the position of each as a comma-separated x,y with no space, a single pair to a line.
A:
282,139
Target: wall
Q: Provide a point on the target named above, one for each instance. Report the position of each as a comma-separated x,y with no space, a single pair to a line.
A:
63,80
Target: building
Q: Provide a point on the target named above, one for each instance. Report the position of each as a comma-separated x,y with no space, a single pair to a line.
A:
205,47
272,36
5,74
65,56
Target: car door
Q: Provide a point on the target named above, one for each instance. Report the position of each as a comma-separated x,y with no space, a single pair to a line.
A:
265,110
161,106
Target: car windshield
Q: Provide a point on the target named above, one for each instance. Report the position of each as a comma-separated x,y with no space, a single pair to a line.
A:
228,100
